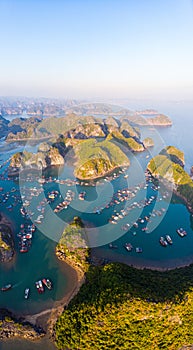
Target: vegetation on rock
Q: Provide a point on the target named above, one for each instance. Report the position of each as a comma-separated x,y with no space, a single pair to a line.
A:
94,159
120,307
175,155
129,130
83,134
133,144
46,156
72,246
6,243
168,166
11,327
148,142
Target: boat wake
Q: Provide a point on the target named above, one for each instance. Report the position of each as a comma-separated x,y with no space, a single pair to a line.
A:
17,284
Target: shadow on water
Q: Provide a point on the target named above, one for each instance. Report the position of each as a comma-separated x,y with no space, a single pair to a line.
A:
18,344
117,282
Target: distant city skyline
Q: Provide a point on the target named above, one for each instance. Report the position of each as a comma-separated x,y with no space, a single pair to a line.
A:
97,49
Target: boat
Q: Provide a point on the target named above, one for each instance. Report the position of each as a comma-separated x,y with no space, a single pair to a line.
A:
51,196
23,249
26,293
113,246
47,283
39,286
82,195
128,246
168,239
163,242
37,221
138,250
181,232
6,287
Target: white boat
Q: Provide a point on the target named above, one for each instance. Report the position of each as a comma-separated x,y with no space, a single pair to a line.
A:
168,239
128,247
181,232
26,293
163,242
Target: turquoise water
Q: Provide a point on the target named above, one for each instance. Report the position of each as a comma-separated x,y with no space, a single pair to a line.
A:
27,268
176,215
40,261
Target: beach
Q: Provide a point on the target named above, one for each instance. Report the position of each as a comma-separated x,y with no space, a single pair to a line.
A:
47,318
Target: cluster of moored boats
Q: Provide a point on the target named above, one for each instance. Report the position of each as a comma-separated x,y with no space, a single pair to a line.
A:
40,286
66,202
25,237
41,283
128,194
124,212
120,196
164,241
129,248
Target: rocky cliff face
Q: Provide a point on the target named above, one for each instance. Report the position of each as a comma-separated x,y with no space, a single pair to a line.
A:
45,157
168,167
158,120
94,168
3,126
84,131
6,241
11,327
174,154
21,128
148,142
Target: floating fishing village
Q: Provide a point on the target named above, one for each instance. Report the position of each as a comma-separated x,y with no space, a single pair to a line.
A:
96,175
86,212
22,200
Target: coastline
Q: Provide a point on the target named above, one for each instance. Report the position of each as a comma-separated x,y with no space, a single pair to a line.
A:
30,139
102,176
47,318
100,257
175,192
4,220
189,208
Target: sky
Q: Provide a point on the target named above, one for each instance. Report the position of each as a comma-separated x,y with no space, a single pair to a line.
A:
96,48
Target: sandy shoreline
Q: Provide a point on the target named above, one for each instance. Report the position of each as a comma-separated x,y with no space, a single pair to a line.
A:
47,318
53,313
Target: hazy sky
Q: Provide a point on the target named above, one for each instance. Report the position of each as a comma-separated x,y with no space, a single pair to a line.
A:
96,48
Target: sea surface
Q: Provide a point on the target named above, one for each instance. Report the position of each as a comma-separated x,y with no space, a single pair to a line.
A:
170,214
